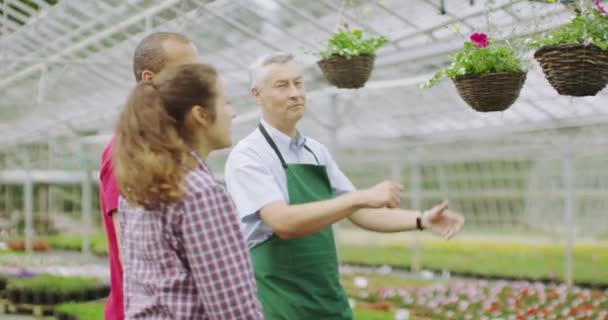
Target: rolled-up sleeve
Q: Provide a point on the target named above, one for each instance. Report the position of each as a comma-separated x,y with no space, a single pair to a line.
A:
218,256
251,185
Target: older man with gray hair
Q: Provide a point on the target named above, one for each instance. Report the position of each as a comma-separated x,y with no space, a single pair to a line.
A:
289,191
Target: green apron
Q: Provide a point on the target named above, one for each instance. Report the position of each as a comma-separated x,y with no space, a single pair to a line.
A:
298,279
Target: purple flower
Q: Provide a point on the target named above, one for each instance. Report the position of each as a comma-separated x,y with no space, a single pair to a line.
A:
25,274
480,40
599,7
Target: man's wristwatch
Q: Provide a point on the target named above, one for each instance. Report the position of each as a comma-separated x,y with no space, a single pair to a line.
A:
419,221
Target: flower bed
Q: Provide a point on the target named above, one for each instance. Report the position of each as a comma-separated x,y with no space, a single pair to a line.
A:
479,299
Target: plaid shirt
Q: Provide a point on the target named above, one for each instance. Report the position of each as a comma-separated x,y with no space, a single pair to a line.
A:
187,260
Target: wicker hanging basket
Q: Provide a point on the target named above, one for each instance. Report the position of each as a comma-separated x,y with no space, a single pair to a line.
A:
490,91
573,69
347,73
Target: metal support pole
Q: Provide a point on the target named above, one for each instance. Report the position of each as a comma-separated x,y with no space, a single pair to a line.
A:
415,200
569,207
28,202
333,136
87,195
443,181
4,32
334,124
148,22
42,85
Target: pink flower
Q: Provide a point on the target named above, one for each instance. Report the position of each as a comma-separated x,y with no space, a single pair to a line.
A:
599,7
480,40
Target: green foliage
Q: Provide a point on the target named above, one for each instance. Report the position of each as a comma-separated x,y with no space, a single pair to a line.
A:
99,245
490,258
349,43
83,310
364,314
53,283
473,61
588,27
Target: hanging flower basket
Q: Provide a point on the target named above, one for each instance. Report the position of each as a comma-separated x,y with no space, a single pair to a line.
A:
488,77
491,91
574,69
348,59
345,72
574,56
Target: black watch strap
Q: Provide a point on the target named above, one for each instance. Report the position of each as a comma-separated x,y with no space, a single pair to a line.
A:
419,222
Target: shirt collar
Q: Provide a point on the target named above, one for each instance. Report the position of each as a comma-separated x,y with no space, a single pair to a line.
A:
200,161
282,140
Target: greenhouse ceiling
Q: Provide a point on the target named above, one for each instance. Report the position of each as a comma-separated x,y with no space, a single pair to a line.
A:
66,65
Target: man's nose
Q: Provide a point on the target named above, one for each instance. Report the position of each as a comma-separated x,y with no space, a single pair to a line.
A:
294,91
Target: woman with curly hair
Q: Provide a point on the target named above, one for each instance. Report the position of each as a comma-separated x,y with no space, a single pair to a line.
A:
182,251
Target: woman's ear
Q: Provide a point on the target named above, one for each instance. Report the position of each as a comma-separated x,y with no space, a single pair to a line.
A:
201,116
147,75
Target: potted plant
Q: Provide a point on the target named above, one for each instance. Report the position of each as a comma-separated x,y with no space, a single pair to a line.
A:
348,59
14,289
487,76
574,56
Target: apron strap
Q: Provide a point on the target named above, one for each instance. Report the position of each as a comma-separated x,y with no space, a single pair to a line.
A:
313,154
272,144
276,149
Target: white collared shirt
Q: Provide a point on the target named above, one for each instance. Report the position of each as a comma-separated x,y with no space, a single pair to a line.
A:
254,175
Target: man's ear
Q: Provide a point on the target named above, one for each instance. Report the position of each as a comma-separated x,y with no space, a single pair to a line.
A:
147,75
255,92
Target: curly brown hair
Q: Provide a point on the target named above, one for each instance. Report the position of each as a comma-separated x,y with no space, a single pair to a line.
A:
151,151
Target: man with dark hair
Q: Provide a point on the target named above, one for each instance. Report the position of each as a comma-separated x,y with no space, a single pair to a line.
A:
155,52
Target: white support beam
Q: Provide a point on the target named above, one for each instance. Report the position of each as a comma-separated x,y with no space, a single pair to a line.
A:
57,177
15,13
90,40
241,28
27,9
409,35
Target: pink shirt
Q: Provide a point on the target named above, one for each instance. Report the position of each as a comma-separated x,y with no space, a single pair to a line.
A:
108,198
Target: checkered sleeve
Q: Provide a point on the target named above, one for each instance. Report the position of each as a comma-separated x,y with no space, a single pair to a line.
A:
218,256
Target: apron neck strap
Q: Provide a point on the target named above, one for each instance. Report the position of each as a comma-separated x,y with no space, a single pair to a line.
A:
276,149
313,154
272,144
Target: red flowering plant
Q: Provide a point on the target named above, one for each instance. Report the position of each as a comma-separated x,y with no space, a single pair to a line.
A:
479,56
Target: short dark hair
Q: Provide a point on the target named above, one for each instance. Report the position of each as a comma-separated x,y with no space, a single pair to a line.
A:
150,54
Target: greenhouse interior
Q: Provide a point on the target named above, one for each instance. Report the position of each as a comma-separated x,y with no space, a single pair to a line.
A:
516,142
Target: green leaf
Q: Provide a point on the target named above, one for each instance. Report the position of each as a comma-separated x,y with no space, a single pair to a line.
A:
352,43
591,26
472,61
